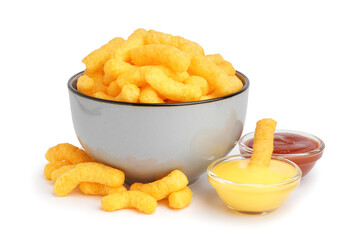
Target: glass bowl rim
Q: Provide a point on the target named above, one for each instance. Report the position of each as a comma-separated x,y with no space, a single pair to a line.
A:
215,177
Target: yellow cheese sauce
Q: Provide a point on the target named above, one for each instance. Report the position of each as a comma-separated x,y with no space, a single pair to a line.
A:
237,171
254,189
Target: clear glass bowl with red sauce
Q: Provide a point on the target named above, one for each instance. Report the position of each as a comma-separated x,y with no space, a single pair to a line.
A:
301,148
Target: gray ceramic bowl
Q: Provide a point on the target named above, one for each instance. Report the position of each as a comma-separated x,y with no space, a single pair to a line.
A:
147,141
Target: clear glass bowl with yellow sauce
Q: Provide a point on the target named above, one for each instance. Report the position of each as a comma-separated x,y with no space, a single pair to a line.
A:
253,191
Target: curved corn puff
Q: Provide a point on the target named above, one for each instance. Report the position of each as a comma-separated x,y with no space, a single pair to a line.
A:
160,54
170,88
129,199
88,172
223,64
160,189
53,166
118,63
263,143
85,84
129,93
68,152
97,58
215,76
198,81
103,95
149,95
181,43
180,199
60,171
113,90
114,68
98,189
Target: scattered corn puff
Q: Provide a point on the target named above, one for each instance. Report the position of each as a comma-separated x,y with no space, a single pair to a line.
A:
96,59
60,171
129,93
149,95
160,189
129,199
68,152
180,199
160,54
88,172
170,88
53,166
90,188
263,143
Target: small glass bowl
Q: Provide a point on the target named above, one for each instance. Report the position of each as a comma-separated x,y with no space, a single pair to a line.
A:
305,161
252,198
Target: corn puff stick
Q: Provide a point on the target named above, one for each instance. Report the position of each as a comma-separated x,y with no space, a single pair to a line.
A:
66,151
198,81
103,95
263,143
60,171
129,93
85,84
223,64
160,189
134,76
114,68
96,59
98,78
190,47
180,199
88,172
216,77
98,189
170,88
113,90
149,95
160,54
121,56
129,199
53,166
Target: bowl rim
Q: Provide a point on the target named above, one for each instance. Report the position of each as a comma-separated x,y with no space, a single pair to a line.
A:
217,178
318,150
74,78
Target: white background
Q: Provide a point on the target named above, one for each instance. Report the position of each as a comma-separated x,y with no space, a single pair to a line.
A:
303,61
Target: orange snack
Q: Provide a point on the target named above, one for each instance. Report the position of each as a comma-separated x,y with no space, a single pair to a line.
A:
160,189
52,166
96,59
88,172
129,199
170,88
180,199
60,171
91,188
160,54
68,152
263,143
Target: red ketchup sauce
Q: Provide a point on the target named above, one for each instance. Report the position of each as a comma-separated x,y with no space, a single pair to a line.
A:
294,147
289,143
